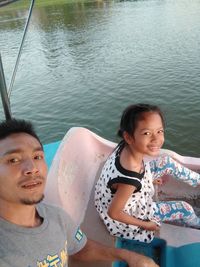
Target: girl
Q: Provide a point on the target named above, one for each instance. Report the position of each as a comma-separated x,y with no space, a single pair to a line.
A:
124,191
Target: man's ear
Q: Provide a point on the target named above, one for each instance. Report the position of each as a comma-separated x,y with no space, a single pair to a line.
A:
128,138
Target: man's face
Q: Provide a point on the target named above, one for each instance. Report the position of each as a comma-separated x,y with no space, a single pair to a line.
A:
23,170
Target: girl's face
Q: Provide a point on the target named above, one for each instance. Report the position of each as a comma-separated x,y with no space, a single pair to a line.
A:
148,137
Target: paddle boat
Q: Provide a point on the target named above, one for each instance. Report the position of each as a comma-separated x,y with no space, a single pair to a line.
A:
75,164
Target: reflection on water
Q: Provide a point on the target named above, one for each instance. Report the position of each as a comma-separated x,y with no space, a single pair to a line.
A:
83,63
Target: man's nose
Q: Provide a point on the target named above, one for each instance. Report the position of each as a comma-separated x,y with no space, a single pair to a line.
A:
30,167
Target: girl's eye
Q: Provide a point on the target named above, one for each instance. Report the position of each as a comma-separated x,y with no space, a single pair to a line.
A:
147,133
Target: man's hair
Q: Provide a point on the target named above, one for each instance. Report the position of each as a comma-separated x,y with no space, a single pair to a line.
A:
14,126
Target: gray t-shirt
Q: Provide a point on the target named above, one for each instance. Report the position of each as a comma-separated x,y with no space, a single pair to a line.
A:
50,244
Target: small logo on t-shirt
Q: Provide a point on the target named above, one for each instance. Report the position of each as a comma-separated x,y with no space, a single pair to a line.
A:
79,235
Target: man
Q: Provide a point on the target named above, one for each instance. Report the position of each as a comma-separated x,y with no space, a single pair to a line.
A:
33,233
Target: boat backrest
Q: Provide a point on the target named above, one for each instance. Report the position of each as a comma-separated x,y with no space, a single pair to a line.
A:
74,170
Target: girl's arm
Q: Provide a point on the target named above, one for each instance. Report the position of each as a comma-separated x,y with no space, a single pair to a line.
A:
165,165
115,211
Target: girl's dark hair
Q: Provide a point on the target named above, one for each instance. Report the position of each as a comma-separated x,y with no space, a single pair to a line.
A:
132,114
13,126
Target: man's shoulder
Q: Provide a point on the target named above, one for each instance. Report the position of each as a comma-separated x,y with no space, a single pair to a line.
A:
57,214
51,210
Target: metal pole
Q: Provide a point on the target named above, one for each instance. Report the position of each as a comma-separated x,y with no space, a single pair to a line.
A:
20,49
4,93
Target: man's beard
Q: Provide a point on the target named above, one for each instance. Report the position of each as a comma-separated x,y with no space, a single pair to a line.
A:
32,201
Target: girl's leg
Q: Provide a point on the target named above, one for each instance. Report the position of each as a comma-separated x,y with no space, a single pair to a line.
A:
177,211
167,165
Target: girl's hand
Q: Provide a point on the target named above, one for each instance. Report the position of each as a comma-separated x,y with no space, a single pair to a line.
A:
158,181
151,226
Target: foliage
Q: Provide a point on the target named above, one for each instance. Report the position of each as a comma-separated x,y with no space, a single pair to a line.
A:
24,4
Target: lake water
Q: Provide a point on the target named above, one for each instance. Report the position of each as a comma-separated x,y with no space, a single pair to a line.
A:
83,63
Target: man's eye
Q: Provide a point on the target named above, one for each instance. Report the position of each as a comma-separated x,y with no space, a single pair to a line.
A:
147,133
161,131
38,157
13,160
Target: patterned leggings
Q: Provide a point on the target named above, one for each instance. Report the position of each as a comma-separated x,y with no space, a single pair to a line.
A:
177,211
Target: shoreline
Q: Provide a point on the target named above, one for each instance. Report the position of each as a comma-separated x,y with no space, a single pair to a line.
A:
23,3
6,2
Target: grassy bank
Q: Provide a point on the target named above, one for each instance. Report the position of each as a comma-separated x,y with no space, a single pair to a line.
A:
21,4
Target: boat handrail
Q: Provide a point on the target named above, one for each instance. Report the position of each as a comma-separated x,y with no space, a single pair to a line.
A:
20,49
6,93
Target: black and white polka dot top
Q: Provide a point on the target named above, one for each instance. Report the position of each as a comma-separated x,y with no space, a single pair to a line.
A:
139,205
